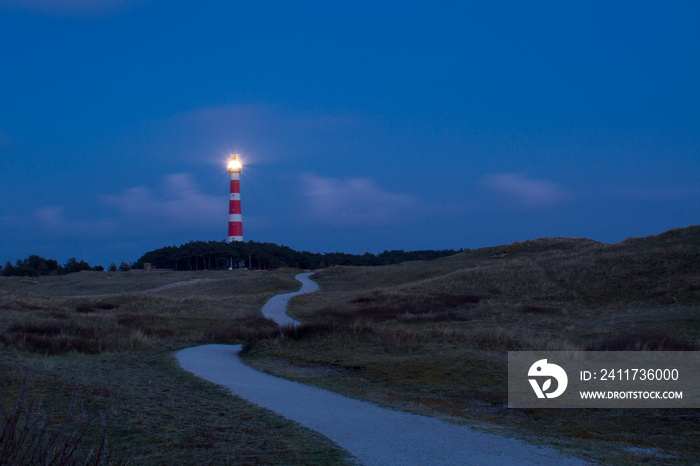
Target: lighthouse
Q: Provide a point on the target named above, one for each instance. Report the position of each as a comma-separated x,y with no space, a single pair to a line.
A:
235,220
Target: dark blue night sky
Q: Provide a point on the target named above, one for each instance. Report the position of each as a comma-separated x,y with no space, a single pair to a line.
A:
362,126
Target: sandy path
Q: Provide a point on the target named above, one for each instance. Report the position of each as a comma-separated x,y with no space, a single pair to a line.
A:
150,290
176,285
372,434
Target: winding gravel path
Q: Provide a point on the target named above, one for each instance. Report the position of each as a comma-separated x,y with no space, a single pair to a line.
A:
276,307
372,434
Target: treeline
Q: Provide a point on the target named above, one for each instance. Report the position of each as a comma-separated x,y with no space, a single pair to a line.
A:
34,266
219,255
199,255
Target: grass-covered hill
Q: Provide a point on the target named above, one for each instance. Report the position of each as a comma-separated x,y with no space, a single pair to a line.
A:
432,337
425,336
663,269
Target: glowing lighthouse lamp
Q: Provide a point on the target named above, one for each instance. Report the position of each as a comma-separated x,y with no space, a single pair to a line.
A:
235,220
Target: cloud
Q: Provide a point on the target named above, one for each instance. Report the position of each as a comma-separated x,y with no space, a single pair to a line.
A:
523,193
124,224
50,216
355,202
177,202
75,8
176,205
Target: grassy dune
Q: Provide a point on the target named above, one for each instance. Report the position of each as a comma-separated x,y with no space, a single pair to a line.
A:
427,337
432,337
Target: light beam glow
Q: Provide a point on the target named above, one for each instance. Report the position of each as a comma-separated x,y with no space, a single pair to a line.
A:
234,164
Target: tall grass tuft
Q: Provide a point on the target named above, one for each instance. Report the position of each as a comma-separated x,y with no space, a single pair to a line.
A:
246,330
56,337
87,308
150,325
28,436
310,330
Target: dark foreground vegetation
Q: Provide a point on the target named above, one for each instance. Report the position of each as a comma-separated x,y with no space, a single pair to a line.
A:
29,436
214,255
423,336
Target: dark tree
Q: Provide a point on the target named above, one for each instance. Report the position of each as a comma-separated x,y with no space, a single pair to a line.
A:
197,255
72,265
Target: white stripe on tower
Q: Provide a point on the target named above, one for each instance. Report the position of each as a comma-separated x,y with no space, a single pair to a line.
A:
235,220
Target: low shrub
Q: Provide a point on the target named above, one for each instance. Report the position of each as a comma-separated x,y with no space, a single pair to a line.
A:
87,308
310,330
105,306
46,329
54,345
56,338
29,307
21,305
364,299
246,330
148,325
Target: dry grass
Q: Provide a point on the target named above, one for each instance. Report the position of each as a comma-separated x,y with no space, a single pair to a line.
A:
29,436
116,350
432,337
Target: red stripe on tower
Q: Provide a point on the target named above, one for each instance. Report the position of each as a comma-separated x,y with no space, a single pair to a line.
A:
234,207
235,219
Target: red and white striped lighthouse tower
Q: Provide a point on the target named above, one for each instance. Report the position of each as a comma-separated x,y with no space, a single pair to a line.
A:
235,220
